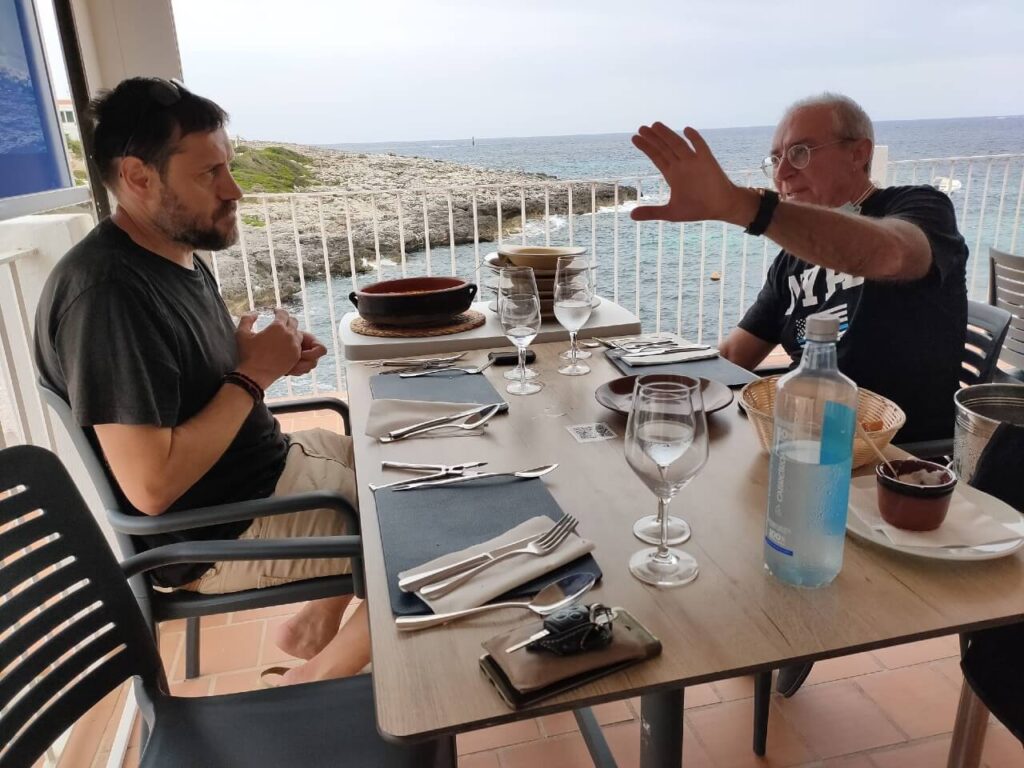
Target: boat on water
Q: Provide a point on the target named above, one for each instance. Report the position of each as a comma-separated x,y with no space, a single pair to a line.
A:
946,184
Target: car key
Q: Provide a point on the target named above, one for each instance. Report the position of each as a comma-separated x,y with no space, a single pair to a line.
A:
572,630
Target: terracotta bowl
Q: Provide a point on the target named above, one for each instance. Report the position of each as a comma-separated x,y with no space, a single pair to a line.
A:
909,505
414,301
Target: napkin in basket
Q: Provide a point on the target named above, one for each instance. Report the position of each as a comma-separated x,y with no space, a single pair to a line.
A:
509,573
388,415
965,524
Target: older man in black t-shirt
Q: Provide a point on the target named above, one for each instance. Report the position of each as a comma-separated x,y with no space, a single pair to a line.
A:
889,264
132,331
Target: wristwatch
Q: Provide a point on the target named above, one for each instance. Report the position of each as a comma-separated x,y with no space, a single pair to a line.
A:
765,210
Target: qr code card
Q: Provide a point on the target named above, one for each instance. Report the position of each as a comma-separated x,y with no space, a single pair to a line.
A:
591,433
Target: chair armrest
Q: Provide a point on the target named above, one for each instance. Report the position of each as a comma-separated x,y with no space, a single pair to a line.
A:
201,517
318,547
340,407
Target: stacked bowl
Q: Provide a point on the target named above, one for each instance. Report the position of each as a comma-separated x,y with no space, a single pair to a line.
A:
542,259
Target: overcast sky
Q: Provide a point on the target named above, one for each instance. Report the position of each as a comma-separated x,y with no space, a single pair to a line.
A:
324,71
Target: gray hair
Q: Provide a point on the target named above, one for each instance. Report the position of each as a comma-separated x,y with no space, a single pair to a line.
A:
849,118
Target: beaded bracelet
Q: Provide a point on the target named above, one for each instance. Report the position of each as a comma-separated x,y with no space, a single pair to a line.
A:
239,379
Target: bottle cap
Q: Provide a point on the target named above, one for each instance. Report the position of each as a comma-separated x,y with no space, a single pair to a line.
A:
822,327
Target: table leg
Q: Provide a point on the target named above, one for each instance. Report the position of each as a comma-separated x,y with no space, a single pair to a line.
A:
661,729
969,730
762,707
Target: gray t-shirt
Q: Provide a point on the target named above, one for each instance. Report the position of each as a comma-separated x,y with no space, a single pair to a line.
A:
128,337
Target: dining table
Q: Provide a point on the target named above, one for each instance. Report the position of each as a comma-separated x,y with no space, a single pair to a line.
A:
734,619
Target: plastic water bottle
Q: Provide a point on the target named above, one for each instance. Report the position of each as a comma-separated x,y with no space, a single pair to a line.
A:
811,461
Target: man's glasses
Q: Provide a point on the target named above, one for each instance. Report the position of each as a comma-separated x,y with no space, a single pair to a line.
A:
163,94
798,155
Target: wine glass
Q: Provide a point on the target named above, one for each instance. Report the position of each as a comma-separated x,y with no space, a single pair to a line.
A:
573,294
666,445
520,317
516,280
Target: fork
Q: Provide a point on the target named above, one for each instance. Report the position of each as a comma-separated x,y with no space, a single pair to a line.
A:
428,371
549,542
475,421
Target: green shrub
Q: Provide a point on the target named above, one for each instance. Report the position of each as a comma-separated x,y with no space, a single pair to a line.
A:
271,169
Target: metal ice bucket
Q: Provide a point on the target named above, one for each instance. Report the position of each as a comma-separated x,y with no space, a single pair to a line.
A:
979,410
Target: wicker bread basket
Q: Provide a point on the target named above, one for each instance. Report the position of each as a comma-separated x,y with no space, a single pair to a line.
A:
758,400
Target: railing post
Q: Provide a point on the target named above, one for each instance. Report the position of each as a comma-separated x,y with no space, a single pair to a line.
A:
880,165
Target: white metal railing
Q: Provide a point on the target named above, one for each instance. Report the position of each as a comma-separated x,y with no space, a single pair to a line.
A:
307,250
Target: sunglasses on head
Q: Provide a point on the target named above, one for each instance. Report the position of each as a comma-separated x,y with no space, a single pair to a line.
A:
162,93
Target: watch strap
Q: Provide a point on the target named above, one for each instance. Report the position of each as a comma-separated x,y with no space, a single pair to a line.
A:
765,210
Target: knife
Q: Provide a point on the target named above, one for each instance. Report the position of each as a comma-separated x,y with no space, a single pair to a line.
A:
420,580
668,351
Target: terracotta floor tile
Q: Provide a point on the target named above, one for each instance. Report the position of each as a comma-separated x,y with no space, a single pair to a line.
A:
225,648
701,696
480,760
564,751
928,753
915,653
200,686
855,761
624,742
950,669
87,736
842,667
919,700
236,682
726,732
239,617
837,719
735,688
171,644
565,722
1002,750
499,736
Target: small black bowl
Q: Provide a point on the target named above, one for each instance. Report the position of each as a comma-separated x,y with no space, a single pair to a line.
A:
911,506
414,301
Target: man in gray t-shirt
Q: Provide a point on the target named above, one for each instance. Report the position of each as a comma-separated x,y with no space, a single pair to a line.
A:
132,331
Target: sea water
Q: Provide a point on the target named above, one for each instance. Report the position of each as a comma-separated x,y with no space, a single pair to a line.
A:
806,514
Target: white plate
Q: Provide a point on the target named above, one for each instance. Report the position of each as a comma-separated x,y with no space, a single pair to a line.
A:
997,509
496,261
594,303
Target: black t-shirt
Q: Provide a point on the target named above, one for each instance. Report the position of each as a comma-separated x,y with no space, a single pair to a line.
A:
903,340
128,337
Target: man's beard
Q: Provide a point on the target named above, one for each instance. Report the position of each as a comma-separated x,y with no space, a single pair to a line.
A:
184,227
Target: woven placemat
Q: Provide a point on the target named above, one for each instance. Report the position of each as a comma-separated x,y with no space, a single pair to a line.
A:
465,322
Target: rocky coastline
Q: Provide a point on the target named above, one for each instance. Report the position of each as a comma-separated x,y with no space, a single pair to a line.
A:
360,205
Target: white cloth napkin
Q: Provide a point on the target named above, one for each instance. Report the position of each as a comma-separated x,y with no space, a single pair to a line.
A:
387,415
509,573
965,524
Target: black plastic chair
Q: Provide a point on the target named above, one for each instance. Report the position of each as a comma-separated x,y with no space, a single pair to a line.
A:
182,604
74,633
1006,291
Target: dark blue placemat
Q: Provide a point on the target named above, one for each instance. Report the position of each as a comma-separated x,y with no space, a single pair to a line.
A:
417,526
448,387
717,368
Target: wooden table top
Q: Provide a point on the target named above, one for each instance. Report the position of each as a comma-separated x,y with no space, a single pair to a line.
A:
734,619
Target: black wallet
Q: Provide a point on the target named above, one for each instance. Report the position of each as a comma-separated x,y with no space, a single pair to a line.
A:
525,677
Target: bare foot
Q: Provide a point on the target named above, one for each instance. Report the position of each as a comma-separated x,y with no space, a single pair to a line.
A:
309,631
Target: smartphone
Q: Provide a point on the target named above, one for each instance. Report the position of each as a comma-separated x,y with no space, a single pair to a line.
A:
502,357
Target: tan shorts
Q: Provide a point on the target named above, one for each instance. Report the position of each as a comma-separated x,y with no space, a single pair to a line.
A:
318,460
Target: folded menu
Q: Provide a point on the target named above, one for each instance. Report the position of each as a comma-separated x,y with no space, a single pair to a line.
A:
965,524
507,574
424,525
388,415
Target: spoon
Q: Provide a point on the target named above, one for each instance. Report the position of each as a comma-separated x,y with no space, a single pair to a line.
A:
862,433
525,474
555,595
475,421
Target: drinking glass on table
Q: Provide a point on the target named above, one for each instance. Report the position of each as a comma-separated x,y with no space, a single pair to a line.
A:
573,294
666,446
516,280
520,317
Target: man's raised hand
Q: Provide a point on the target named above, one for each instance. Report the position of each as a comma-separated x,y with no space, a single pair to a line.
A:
699,188
273,352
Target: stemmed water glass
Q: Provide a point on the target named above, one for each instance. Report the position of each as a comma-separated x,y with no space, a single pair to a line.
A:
573,295
666,445
520,317
517,280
